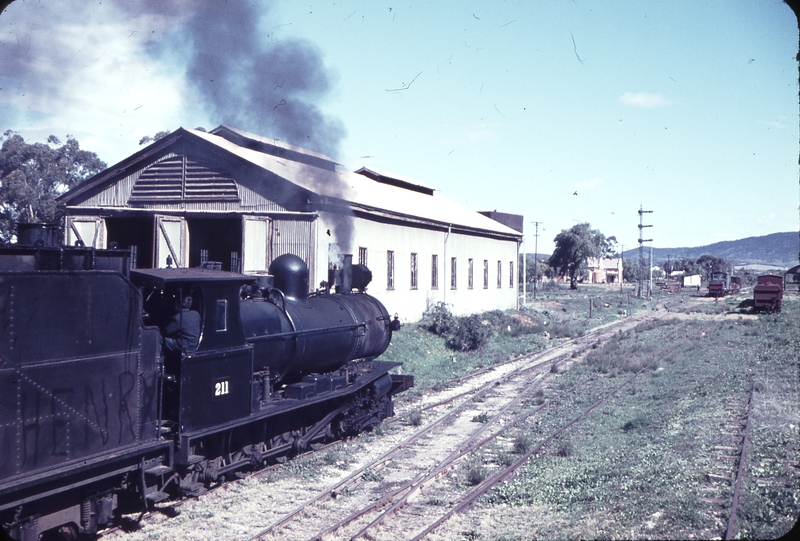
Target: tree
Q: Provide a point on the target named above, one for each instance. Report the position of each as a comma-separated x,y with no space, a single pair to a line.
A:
575,246
534,270
710,263
630,270
688,266
32,176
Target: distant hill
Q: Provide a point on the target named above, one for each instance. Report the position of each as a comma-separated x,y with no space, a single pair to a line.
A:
776,249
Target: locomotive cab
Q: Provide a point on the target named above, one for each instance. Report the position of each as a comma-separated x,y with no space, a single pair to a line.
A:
209,382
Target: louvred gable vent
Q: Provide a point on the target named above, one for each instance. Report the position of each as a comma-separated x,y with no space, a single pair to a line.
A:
178,178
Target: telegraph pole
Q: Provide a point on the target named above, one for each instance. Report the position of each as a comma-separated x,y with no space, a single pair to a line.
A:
641,248
621,267
524,275
535,256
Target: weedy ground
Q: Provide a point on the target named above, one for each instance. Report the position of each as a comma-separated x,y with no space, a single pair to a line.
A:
638,467
557,313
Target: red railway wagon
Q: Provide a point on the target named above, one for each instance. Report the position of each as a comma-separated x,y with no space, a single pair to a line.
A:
768,293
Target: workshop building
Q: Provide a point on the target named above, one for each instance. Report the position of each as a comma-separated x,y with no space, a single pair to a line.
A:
241,200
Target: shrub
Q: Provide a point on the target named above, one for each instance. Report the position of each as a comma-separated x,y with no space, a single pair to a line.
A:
441,320
522,443
475,472
636,423
372,476
506,459
470,333
466,333
565,449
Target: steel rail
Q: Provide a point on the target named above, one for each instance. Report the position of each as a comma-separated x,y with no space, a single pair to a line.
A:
374,463
421,480
455,455
391,452
740,472
467,446
596,333
503,474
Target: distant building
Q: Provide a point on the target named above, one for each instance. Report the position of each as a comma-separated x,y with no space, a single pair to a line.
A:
692,280
604,271
243,200
792,278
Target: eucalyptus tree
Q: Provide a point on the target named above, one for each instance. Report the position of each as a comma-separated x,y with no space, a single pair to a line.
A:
574,247
33,175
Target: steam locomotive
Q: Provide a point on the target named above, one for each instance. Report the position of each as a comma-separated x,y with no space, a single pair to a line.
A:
97,418
721,284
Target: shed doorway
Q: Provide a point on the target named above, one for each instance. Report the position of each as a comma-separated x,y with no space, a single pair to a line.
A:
134,234
216,239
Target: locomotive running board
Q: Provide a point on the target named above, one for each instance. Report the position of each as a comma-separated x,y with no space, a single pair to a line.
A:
367,373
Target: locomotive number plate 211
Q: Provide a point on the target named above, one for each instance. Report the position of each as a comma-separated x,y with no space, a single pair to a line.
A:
221,388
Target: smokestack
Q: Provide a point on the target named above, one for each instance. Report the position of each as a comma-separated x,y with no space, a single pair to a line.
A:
340,278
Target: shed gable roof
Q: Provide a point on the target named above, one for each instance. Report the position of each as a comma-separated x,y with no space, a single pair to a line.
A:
299,177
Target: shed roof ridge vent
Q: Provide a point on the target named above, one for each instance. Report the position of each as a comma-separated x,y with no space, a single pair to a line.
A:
396,180
274,147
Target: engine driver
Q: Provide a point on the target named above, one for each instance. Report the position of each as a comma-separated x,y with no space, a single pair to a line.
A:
183,331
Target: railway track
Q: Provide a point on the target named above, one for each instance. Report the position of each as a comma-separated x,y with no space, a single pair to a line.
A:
417,450
723,481
363,519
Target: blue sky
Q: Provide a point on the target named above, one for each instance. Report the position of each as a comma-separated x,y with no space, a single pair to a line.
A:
687,108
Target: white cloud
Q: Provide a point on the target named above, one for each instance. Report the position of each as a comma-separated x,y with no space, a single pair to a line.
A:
645,100
92,79
779,123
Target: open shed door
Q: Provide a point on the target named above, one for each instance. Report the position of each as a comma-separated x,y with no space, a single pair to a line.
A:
255,244
89,230
172,240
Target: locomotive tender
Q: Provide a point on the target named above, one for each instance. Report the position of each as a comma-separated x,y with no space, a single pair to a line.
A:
97,419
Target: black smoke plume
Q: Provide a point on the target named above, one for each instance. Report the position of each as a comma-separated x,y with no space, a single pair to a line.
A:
250,81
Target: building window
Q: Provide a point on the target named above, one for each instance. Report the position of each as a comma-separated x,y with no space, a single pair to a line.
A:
362,256
485,274
452,273
434,271
389,269
499,274
511,274
413,271
469,273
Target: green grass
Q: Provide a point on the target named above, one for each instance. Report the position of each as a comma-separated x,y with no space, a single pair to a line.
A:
559,312
641,461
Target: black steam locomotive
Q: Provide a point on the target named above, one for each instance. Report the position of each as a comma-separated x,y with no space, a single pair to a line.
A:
97,418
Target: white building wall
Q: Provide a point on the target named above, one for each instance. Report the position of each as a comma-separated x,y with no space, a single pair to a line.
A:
403,240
